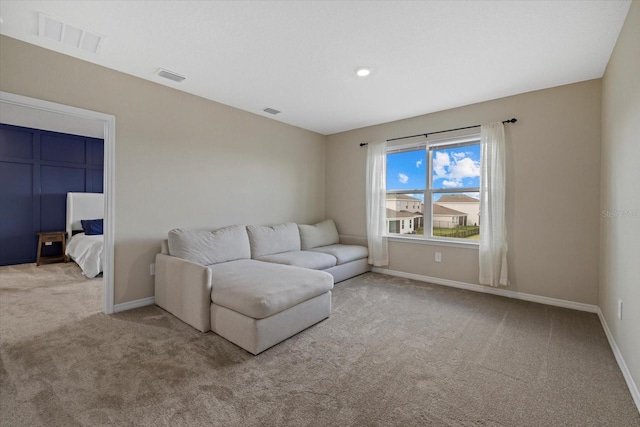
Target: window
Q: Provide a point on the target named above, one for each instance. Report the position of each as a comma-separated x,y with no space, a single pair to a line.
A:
446,174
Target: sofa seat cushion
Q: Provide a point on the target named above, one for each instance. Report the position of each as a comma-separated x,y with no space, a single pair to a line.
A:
343,253
260,289
304,259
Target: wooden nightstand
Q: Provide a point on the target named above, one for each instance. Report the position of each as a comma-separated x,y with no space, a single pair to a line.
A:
51,237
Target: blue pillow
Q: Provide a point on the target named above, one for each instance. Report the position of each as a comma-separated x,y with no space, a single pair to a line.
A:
92,227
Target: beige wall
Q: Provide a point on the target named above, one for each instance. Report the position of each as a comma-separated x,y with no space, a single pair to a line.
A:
553,171
620,235
181,161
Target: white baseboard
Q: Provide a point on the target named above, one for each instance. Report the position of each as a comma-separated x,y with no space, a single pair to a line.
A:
489,290
130,305
633,388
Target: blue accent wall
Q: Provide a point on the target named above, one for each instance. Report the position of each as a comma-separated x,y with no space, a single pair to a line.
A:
37,169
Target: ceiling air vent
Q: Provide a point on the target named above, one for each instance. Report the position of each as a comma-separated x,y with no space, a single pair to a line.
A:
170,75
68,34
271,111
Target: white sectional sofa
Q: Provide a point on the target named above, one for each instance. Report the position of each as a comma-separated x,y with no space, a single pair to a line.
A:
255,286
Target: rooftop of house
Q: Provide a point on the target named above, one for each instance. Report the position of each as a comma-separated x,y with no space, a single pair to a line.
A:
457,198
402,197
437,210
416,213
441,210
392,214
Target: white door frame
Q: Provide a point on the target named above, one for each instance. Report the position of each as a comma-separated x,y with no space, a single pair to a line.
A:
109,122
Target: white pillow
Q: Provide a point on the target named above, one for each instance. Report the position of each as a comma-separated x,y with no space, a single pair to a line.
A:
322,234
210,247
273,240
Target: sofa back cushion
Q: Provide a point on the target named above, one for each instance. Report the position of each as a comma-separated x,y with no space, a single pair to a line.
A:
210,247
273,240
321,234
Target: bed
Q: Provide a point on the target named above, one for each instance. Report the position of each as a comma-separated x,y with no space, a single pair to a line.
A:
85,250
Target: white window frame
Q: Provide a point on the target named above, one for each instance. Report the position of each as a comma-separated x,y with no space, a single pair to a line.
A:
429,146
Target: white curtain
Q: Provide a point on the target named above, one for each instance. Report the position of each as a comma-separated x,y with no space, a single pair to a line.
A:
493,229
376,203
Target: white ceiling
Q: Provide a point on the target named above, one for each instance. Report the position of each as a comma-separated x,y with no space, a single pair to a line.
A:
299,57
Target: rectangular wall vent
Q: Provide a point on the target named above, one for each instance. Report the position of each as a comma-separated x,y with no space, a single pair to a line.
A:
170,75
271,111
68,34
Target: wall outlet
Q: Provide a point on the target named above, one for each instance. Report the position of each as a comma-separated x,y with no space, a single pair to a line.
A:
619,309
438,256
152,269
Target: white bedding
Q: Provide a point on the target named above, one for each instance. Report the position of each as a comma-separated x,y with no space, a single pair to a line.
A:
86,251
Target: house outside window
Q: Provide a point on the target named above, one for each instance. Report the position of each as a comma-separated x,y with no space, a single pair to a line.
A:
446,174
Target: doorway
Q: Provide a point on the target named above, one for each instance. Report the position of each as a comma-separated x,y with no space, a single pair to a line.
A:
83,117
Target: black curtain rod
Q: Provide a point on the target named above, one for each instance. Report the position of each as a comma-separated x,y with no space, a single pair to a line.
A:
513,120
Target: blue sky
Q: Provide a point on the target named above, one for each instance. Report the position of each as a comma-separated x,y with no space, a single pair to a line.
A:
452,168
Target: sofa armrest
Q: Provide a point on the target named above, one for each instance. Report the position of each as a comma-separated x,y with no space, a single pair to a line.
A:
183,288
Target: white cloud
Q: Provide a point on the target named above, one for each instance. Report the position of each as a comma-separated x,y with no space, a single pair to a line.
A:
451,183
454,167
464,168
419,163
403,178
441,164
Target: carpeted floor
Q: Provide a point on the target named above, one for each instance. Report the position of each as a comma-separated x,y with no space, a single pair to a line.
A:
395,352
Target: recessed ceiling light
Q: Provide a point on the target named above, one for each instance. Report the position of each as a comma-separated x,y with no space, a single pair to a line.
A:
363,71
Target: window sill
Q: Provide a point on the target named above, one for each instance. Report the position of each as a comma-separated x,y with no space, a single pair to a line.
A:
434,242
